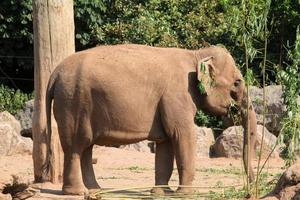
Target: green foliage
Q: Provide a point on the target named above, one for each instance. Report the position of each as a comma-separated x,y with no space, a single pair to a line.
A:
247,25
290,79
12,100
16,20
202,119
228,193
176,23
201,88
232,171
16,42
265,187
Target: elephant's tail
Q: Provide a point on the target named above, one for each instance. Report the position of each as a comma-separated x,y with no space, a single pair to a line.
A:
49,98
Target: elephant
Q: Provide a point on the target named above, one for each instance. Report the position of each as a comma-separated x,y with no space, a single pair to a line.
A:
123,94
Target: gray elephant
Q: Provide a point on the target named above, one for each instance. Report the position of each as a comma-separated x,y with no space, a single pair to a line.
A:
115,95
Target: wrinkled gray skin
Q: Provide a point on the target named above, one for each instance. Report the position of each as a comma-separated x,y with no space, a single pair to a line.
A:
114,95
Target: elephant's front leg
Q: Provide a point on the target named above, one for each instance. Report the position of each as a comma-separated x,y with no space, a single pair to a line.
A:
164,159
177,113
184,142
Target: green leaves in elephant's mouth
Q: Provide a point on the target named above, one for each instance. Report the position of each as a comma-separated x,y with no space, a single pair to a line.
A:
234,112
201,87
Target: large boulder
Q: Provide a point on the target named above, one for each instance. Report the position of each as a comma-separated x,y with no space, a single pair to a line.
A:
25,118
11,141
288,186
230,143
205,138
275,107
10,120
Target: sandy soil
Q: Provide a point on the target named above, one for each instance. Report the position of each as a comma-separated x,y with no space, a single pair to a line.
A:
121,169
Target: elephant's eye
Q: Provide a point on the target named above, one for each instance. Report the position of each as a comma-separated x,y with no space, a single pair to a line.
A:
237,83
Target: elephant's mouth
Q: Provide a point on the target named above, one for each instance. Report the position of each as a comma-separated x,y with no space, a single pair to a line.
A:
233,111
220,110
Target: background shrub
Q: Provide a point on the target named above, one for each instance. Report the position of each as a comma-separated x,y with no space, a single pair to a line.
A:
176,23
12,100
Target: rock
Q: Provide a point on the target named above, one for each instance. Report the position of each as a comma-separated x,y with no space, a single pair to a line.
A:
143,146
269,142
275,107
11,141
230,143
288,186
205,138
25,118
7,118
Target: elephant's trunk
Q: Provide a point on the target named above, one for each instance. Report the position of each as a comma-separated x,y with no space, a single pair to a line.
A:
250,130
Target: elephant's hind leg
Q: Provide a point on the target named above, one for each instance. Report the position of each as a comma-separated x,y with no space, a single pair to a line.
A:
88,174
164,159
74,142
72,183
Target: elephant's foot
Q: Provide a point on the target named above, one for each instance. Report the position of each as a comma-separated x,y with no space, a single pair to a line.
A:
92,186
185,190
161,190
94,190
75,190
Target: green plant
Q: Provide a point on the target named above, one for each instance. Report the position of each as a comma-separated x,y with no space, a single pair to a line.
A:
264,188
16,41
228,193
203,119
290,79
177,23
12,100
250,30
232,171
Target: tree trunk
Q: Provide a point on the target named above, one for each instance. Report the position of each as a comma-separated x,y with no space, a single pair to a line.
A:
53,25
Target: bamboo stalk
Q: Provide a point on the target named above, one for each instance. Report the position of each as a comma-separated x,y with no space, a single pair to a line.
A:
264,108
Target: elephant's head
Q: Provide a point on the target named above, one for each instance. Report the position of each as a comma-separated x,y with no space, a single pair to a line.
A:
221,85
220,82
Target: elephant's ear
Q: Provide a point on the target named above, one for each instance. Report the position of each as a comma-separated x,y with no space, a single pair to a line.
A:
206,75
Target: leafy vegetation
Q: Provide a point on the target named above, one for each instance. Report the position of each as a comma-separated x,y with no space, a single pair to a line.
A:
16,41
203,119
290,79
265,187
176,23
12,100
232,171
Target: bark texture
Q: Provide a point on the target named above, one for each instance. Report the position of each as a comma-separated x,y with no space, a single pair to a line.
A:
53,24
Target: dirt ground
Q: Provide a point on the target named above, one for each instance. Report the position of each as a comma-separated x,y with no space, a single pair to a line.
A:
125,169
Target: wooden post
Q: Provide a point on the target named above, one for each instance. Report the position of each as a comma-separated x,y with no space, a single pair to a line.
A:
53,26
